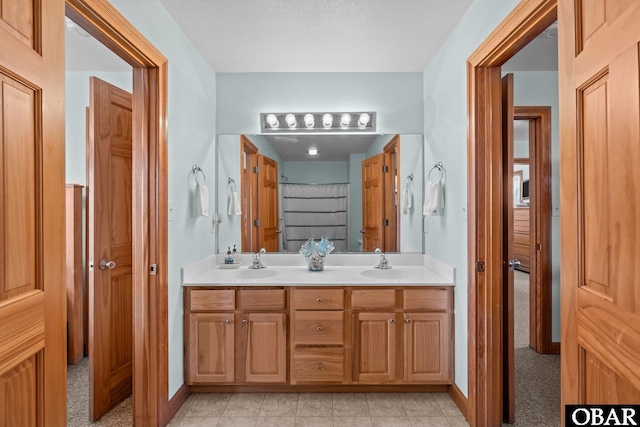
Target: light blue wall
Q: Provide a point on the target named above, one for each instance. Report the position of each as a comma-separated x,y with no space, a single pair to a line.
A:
445,131
317,172
540,88
191,124
396,97
411,158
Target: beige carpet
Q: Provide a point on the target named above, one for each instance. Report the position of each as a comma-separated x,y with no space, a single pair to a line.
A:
78,401
537,376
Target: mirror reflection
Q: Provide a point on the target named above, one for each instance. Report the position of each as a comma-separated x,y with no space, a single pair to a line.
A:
360,191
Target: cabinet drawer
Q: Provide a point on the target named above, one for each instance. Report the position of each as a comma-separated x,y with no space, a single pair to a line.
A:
212,299
318,327
318,299
318,364
262,299
373,298
426,299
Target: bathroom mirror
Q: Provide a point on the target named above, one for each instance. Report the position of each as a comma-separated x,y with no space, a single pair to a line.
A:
313,186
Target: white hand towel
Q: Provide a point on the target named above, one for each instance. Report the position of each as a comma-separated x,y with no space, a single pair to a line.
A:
433,198
408,199
202,200
235,207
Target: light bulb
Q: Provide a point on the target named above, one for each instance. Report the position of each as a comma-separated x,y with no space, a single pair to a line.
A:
363,121
327,120
313,151
291,120
272,120
345,120
309,121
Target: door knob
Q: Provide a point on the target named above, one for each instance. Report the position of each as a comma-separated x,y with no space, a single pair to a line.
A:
107,264
513,264
362,231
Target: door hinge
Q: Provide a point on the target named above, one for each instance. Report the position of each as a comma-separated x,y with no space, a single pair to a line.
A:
480,266
256,223
385,169
256,169
91,265
153,269
539,247
385,222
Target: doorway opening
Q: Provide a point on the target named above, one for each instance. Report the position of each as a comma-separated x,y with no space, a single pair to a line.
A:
486,195
148,205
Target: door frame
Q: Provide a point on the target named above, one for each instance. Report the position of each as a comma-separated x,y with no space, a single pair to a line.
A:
484,233
392,195
248,194
540,275
151,405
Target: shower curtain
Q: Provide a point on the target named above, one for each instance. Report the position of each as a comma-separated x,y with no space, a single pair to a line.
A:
312,211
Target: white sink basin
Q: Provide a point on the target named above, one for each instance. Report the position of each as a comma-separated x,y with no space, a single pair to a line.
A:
249,273
389,274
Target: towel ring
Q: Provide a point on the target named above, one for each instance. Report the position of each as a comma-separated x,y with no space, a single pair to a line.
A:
410,177
231,183
197,169
438,166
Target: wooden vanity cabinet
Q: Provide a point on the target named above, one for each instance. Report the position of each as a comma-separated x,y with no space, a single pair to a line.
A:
235,336
402,335
332,336
317,335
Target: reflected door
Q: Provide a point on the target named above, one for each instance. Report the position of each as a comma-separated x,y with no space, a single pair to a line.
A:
267,204
372,203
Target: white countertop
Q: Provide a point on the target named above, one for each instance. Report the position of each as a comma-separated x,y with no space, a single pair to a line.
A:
408,271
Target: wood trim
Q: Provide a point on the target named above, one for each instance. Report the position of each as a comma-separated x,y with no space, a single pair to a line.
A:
554,348
391,208
459,399
248,194
177,401
149,204
484,154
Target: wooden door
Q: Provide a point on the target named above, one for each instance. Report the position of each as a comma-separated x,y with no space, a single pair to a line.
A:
427,341
211,344
392,195
32,214
109,178
264,347
375,347
508,351
372,203
599,61
267,204
248,194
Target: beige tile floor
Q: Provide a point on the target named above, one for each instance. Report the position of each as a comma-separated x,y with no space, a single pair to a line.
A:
319,410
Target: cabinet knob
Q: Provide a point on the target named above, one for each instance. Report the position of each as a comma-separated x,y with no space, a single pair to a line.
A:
318,299
319,328
245,321
228,321
409,320
392,320
319,366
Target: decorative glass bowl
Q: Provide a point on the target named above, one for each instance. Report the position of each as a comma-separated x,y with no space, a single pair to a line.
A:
315,252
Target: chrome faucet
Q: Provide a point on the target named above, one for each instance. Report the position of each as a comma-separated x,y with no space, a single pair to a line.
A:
257,263
383,264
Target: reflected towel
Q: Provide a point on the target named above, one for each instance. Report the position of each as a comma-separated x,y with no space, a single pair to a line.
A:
235,207
202,200
433,198
407,203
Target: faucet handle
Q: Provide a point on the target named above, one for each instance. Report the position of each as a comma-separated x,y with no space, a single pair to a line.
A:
262,251
377,251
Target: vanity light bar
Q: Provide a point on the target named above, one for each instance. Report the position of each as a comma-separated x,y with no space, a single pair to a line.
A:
359,121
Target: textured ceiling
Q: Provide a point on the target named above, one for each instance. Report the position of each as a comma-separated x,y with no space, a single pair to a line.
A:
317,36
82,52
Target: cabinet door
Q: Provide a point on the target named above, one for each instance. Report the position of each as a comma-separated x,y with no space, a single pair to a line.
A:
265,347
427,338
375,347
211,347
